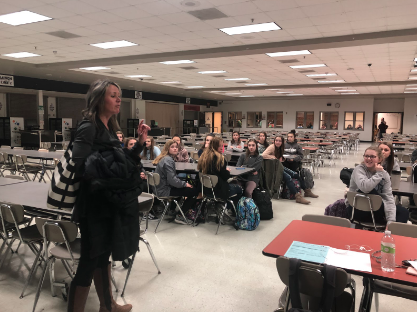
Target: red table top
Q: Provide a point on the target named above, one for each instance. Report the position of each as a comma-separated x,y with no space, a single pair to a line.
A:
339,237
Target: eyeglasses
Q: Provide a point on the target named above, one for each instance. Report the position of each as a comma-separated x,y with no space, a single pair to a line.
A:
369,156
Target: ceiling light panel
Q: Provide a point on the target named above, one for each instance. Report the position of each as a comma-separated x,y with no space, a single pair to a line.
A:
277,54
114,44
22,17
330,81
95,68
212,72
255,84
247,29
351,93
138,76
21,55
321,75
195,87
308,66
236,79
177,62
170,82
348,90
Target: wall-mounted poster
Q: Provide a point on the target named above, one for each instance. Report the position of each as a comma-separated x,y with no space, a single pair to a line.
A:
66,125
16,124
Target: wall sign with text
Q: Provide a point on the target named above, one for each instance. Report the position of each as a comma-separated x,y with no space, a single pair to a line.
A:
6,80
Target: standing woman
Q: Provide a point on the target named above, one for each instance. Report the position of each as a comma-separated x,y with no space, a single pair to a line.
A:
108,227
263,142
370,177
212,162
236,144
182,155
170,184
150,151
276,151
251,159
209,137
389,162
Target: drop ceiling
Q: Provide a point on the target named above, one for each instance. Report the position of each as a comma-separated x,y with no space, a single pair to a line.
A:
346,35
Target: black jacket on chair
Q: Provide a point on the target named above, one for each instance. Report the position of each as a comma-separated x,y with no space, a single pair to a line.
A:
109,189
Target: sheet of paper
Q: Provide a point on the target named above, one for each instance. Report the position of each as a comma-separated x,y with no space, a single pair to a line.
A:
414,264
346,259
307,252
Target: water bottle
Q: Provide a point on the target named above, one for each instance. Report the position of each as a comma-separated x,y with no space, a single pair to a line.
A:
388,252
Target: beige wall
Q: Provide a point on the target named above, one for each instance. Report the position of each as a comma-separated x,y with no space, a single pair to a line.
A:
167,115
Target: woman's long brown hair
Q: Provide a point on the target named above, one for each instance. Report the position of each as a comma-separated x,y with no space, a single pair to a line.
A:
206,159
390,159
279,151
165,151
145,150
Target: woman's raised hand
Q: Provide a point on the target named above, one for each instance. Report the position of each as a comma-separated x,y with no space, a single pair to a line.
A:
143,131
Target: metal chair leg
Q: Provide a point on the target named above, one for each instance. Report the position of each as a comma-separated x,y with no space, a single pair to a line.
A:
113,281
128,273
151,253
41,280
32,270
199,210
182,212
52,275
221,217
163,214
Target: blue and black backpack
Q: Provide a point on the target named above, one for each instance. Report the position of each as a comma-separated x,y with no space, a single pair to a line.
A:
247,217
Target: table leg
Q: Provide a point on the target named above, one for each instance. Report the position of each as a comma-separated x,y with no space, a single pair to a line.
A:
366,300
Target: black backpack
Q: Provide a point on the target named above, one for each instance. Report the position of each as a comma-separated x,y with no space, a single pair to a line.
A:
345,175
329,274
264,203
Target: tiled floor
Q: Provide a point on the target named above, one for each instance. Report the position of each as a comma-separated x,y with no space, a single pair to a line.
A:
200,271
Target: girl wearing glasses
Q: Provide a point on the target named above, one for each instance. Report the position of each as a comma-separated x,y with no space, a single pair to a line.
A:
370,177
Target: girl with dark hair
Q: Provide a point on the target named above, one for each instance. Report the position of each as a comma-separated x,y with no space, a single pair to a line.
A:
389,162
262,142
150,151
370,177
250,159
209,137
108,226
182,155
212,162
129,142
236,144
276,151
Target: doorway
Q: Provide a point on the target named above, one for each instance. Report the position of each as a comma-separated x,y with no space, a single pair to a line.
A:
213,120
394,122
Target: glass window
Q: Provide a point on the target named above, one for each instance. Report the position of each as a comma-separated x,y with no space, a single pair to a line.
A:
304,120
354,120
275,119
254,120
329,120
235,119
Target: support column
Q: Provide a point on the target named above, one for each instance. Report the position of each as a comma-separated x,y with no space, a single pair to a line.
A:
3,106
41,111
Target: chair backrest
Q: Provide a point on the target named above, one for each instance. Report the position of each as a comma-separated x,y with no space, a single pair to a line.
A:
11,213
57,231
195,156
43,150
327,220
5,146
364,202
18,148
310,280
227,157
16,177
403,229
20,159
406,158
153,178
209,181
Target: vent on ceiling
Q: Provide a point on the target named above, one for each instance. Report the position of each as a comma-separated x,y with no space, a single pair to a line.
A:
307,71
319,78
241,82
219,76
188,67
63,34
190,3
289,61
207,14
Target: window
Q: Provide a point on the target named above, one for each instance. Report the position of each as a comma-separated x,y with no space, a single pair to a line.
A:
304,120
235,119
329,120
275,119
354,120
254,120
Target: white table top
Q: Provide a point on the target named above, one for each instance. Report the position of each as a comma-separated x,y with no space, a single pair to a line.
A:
33,153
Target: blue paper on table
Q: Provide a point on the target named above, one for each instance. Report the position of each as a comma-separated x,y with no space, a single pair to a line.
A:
307,252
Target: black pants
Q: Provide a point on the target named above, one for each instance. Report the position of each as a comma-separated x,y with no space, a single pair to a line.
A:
189,192
87,265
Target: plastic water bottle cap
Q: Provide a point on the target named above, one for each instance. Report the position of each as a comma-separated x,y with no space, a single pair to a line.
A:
387,232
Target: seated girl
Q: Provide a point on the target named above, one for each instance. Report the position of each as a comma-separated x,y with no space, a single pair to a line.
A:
150,151
370,177
170,184
182,155
129,142
212,162
262,142
209,137
276,151
251,159
389,162
236,145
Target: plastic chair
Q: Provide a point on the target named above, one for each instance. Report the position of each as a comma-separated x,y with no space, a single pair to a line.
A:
327,220
154,179
68,247
389,288
23,167
210,181
311,283
366,202
12,216
145,208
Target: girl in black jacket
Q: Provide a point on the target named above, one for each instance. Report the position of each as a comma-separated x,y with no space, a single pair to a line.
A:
106,205
212,162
